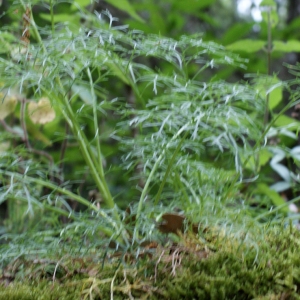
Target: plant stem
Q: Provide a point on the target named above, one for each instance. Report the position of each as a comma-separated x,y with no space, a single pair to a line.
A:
93,163
269,51
157,197
154,168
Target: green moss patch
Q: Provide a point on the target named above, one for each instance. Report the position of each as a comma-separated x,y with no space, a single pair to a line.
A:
211,266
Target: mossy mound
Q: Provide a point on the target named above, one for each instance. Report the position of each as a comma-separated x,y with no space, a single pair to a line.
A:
210,266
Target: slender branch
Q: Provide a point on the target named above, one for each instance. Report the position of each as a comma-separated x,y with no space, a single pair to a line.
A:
9,129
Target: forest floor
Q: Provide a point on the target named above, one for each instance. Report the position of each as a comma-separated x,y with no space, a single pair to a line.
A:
207,265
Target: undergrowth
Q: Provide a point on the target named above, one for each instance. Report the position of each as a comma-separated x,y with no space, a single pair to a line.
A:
78,97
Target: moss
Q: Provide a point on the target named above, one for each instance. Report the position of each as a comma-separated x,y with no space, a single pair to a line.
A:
44,290
223,268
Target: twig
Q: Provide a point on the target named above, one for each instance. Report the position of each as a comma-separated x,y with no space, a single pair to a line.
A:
9,129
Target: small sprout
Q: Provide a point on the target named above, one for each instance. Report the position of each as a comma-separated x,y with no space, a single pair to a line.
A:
41,112
7,105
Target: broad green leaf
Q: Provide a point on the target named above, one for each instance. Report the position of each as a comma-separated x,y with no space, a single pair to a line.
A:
84,3
236,32
273,195
271,86
7,105
246,45
263,158
289,46
41,112
271,3
287,121
124,5
269,12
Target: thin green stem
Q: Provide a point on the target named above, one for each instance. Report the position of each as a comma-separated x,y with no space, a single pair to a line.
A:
269,51
96,126
108,232
277,208
171,163
91,160
259,142
154,168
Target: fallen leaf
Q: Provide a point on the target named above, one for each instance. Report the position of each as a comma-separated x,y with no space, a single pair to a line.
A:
173,223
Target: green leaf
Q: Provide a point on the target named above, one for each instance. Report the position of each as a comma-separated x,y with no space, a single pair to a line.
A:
270,85
236,32
36,134
269,12
84,3
247,45
287,121
263,157
273,195
289,46
269,3
124,5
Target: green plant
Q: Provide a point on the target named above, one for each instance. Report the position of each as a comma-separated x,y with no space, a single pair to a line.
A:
188,140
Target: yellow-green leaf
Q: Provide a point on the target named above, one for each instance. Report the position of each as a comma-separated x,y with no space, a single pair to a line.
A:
36,134
272,86
273,195
84,3
269,12
41,112
283,120
4,146
7,105
246,45
289,46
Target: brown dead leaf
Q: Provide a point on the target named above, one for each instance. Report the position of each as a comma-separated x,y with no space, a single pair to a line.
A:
173,223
